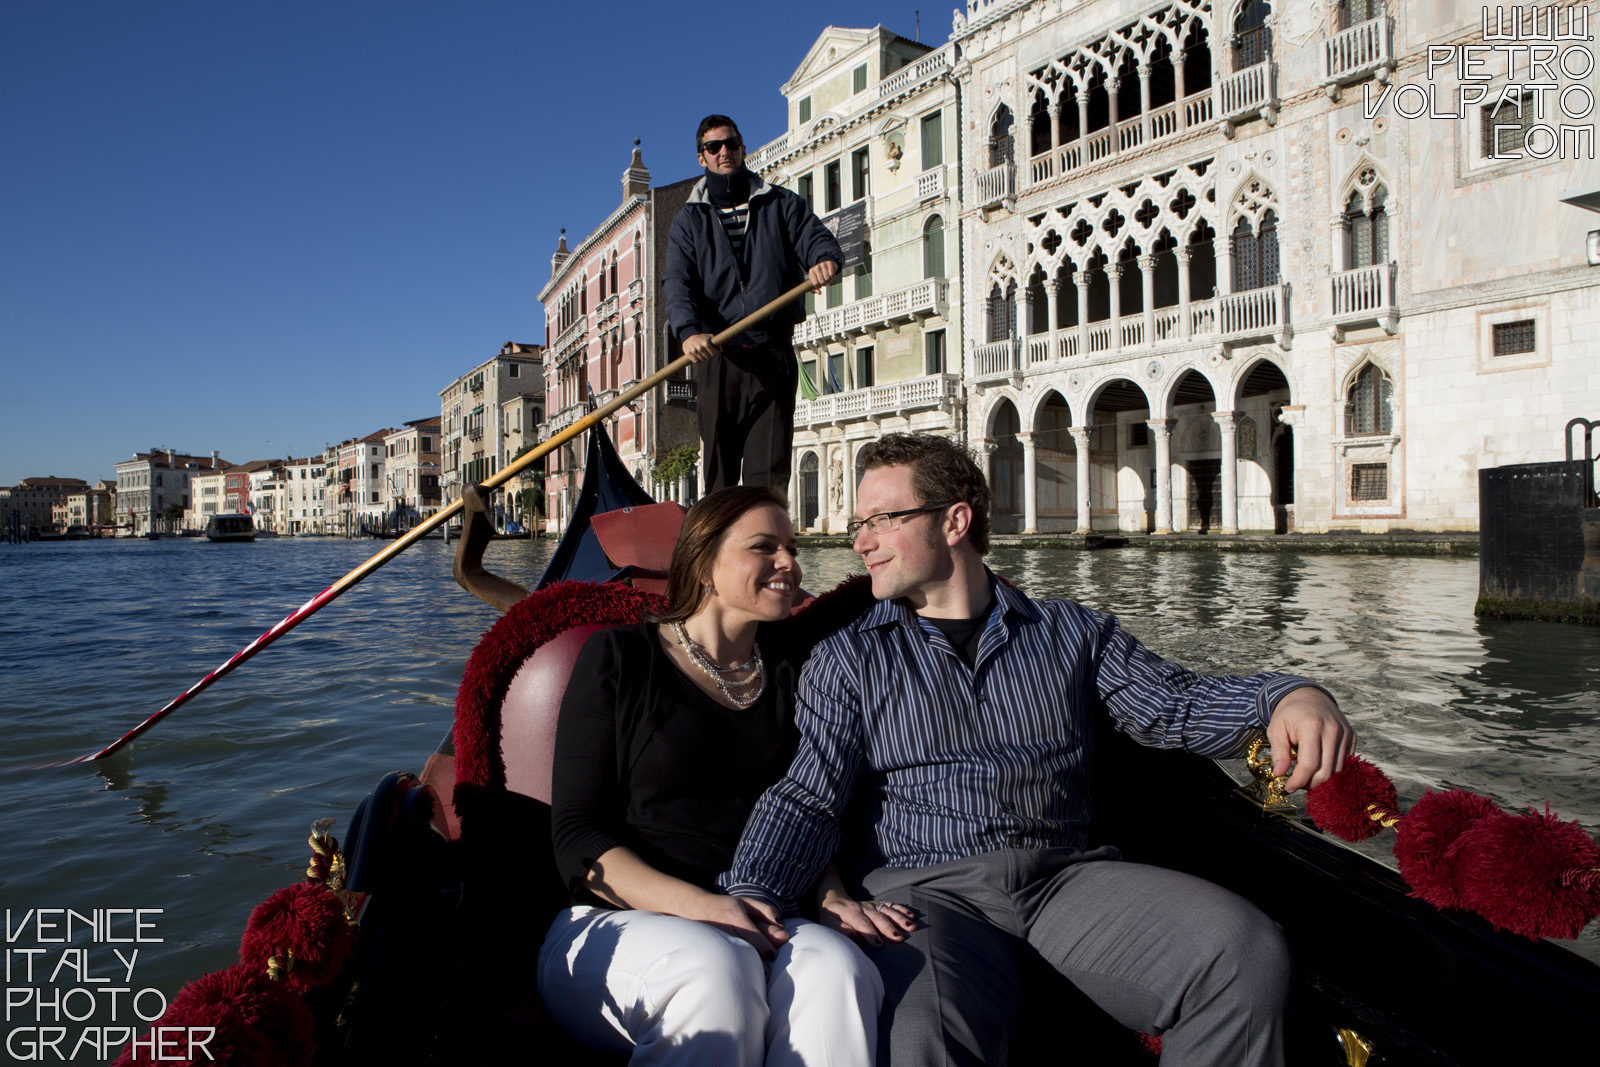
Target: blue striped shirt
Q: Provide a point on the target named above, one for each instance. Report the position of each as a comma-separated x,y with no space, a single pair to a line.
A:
947,760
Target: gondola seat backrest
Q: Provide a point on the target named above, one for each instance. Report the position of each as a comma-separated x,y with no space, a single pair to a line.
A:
511,690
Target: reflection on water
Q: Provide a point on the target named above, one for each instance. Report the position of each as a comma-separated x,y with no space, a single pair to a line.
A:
208,813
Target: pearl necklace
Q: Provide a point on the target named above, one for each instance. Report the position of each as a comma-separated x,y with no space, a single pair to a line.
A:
727,680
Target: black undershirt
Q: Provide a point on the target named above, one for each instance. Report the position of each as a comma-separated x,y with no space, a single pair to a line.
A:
965,634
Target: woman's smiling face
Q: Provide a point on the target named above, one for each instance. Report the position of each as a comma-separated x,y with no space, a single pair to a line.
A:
755,572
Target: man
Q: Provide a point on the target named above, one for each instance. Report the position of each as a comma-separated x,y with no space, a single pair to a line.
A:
738,244
958,712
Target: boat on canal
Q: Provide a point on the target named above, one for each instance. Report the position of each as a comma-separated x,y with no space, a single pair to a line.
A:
432,911
230,526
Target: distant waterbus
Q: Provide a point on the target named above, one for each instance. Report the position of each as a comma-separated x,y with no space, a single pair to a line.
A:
230,527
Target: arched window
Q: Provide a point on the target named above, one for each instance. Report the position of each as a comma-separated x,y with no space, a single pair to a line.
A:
1001,148
1255,254
1002,312
600,278
1355,12
1251,35
1366,224
1039,124
933,248
1368,406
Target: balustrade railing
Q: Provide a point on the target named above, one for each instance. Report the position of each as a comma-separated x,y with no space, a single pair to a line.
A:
1099,338
1253,311
1362,48
1132,332
997,184
876,400
1364,290
1199,109
927,297
1038,350
1130,134
997,359
930,183
1249,90
1168,321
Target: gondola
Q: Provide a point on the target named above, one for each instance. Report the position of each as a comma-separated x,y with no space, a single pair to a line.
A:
447,878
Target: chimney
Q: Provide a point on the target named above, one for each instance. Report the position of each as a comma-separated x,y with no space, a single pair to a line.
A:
215,459
636,179
561,255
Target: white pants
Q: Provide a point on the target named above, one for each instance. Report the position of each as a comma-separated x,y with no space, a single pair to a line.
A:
679,991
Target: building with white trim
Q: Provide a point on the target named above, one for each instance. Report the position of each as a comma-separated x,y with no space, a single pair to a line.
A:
1217,279
871,145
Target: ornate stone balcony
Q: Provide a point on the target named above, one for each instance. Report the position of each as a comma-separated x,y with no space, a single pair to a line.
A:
1130,135
1364,295
930,183
1226,320
996,186
1351,55
926,298
1250,92
895,398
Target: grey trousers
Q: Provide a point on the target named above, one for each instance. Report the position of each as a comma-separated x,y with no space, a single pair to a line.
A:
1162,952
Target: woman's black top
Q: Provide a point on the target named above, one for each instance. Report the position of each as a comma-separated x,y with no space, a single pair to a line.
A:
646,760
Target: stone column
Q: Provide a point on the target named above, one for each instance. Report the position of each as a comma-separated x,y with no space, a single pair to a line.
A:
1177,82
1114,291
1161,430
985,450
1054,111
849,481
1340,258
1080,441
1083,117
1112,85
1227,422
1147,278
1144,103
1185,321
1052,302
1081,280
1030,478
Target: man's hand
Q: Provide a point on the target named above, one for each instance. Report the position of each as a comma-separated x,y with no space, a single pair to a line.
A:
823,273
754,920
699,348
1309,730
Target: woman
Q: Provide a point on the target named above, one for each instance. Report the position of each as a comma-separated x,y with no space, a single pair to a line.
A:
669,732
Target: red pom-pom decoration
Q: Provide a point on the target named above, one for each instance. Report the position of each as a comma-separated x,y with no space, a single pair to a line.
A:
1341,804
256,1021
1425,847
304,927
1518,871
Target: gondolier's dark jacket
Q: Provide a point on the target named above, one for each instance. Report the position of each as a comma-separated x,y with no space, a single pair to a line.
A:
709,288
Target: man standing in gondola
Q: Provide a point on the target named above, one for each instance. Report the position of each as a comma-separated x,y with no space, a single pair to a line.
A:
956,715
736,245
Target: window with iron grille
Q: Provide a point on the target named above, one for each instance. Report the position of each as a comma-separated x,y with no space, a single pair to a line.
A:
1506,124
1368,231
1255,254
1514,338
1368,407
1369,481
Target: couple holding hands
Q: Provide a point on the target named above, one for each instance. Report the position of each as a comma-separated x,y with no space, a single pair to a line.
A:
833,837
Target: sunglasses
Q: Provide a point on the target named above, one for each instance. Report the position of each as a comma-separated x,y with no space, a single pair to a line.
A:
711,148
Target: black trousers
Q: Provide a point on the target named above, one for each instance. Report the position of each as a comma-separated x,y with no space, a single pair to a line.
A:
746,407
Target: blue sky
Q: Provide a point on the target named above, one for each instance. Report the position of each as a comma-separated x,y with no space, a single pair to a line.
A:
258,226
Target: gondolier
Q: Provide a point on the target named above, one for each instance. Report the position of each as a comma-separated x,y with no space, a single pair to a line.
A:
738,243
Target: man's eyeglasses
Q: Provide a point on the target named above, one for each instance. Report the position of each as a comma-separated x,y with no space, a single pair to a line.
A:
711,148
885,521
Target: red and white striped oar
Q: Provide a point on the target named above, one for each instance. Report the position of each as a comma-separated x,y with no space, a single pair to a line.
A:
440,517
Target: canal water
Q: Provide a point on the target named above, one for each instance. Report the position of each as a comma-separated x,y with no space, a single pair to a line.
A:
206,815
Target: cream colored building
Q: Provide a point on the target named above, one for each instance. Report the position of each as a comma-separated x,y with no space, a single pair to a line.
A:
304,488
871,144
207,497
1216,278
412,472
475,440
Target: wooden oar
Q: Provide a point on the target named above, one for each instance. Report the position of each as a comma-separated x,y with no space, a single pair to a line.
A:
440,517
